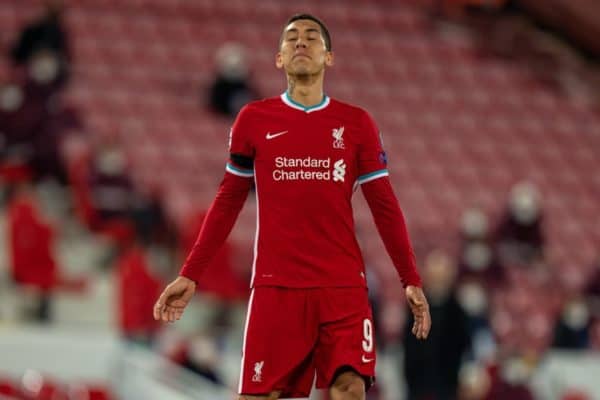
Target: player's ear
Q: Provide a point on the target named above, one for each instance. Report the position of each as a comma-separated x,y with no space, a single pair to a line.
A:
329,59
278,60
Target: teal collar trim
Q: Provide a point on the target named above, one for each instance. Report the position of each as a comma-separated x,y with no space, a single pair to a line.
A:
288,100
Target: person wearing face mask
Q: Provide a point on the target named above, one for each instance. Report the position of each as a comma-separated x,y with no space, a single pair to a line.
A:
109,203
43,47
431,368
31,127
474,382
478,258
511,380
231,89
473,298
112,189
572,328
520,237
33,117
103,192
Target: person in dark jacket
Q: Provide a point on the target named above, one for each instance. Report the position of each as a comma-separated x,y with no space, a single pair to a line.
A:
431,367
45,39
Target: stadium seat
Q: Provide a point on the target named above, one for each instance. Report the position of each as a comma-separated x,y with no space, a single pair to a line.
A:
9,389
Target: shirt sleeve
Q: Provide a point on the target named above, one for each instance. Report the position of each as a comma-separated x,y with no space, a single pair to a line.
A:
228,202
241,149
217,225
372,160
392,228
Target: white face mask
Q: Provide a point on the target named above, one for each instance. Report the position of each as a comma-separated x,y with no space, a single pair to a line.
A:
231,60
515,371
477,256
111,162
474,223
524,204
576,315
474,380
44,67
472,298
11,98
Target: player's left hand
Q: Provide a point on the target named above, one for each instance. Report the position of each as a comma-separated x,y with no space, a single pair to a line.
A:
174,299
420,309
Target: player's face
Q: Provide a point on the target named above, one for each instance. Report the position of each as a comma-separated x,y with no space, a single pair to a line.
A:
302,50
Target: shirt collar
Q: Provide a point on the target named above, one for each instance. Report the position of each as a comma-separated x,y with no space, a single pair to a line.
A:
288,101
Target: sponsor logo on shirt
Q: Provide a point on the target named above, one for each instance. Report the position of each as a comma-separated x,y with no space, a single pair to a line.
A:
339,170
308,169
338,139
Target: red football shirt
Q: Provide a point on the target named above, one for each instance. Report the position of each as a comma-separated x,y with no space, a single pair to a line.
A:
306,163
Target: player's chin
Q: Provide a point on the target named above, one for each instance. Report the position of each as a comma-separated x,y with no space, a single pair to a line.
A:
300,68
299,72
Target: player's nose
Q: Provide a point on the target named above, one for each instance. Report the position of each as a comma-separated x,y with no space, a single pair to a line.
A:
300,43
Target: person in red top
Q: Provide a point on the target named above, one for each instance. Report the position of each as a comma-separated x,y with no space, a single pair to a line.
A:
31,249
308,311
137,287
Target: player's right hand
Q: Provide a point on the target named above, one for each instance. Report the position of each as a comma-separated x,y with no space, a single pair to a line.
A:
420,309
173,300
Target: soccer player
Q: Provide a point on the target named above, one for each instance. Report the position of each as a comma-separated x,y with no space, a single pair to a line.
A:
308,311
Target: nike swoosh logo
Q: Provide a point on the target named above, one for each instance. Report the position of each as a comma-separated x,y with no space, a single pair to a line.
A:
274,135
367,360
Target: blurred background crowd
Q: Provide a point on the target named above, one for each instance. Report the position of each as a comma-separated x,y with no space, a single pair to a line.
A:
114,116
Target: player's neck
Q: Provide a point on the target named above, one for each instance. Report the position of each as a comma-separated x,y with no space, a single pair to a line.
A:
306,93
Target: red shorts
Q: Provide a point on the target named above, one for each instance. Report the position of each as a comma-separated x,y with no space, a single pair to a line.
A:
292,333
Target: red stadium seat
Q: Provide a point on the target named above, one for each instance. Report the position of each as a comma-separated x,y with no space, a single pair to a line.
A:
9,389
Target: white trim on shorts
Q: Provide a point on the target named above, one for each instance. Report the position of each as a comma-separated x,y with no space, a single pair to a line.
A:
244,342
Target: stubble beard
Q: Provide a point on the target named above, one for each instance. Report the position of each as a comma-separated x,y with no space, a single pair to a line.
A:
304,73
